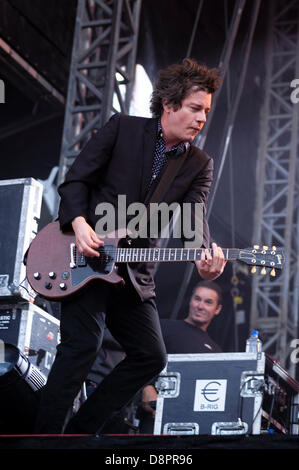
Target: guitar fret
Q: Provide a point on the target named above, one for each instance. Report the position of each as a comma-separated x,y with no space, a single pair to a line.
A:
121,256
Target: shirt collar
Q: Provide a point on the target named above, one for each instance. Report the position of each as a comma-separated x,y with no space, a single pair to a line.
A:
182,146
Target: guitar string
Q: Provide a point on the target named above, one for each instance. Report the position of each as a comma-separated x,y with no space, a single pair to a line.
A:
166,252
170,250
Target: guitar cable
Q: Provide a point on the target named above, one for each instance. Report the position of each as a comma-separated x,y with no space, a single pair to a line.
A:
25,288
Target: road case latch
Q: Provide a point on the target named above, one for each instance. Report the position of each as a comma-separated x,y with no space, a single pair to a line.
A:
252,384
168,384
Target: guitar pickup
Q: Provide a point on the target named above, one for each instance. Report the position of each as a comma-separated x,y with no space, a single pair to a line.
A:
76,258
81,260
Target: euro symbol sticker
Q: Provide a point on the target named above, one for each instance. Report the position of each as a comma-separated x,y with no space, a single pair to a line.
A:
208,391
210,395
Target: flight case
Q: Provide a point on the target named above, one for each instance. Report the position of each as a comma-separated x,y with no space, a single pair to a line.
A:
225,394
33,331
20,207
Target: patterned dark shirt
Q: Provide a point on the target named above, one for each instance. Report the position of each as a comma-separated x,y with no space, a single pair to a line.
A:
161,157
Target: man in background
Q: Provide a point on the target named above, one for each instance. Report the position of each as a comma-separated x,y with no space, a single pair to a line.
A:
187,336
190,334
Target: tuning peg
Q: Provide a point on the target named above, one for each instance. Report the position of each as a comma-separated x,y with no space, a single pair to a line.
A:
256,247
272,272
265,248
253,270
273,248
238,300
263,271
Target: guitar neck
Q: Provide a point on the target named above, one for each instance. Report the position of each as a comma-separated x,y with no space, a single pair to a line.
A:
135,255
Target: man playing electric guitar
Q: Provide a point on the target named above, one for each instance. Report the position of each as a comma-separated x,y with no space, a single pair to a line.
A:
128,156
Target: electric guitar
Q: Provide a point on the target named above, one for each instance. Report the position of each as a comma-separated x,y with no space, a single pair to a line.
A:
55,269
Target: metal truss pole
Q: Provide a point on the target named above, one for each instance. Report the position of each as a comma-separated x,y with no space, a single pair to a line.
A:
201,138
101,73
274,302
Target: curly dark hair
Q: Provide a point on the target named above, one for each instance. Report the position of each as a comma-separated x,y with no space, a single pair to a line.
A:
178,80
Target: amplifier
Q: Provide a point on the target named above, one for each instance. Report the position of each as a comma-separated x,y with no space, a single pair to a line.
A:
225,394
20,206
33,331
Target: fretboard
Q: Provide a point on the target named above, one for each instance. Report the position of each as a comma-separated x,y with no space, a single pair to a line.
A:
135,255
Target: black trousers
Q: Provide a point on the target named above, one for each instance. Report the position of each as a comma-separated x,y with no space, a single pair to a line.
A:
134,324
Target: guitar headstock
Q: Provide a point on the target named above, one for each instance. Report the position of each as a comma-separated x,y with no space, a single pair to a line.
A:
266,258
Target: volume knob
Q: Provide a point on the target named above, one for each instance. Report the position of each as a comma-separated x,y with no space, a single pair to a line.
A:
37,275
63,286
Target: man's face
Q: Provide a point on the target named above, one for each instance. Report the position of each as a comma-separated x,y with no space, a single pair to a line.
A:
203,307
185,123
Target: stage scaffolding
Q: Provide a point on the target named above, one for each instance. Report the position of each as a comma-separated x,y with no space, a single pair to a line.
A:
101,73
100,83
274,302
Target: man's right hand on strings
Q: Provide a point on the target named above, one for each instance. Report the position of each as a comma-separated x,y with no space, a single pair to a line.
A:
87,240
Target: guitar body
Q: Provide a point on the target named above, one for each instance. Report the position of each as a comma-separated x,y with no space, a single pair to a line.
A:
55,270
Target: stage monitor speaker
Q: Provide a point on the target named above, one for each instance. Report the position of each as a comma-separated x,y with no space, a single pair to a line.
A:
20,206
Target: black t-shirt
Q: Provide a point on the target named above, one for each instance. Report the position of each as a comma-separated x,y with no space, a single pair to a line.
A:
182,338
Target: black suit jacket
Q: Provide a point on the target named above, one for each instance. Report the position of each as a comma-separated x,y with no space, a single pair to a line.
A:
118,160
